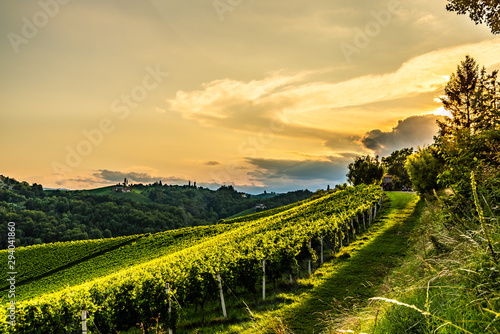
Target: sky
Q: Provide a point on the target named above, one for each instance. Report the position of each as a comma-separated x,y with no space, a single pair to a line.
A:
265,95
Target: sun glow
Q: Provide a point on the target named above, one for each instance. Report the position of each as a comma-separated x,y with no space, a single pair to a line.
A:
442,112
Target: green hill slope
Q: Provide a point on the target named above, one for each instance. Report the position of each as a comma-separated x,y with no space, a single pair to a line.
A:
52,216
134,194
189,260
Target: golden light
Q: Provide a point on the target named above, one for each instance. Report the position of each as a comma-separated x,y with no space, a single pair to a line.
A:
442,112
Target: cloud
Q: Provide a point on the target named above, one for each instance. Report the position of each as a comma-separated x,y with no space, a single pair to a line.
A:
211,163
304,103
160,110
411,132
326,168
344,142
117,176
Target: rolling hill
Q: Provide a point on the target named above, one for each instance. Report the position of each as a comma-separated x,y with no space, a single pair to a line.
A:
52,216
122,281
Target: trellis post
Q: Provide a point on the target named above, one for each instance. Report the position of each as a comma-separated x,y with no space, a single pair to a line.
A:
340,238
224,313
309,262
263,279
167,290
84,321
321,241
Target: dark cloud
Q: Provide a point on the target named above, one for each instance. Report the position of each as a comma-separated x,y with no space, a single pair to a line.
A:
411,132
117,176
327,169
344,142
283,175
211,163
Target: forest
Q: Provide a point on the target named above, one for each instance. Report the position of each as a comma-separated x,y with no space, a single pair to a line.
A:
51,216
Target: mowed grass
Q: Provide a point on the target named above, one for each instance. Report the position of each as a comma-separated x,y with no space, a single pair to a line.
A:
349,283
343,284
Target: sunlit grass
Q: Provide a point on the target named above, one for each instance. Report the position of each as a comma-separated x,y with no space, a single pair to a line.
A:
343,284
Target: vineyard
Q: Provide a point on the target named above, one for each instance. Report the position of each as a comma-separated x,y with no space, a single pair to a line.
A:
35,261
73,263
125,284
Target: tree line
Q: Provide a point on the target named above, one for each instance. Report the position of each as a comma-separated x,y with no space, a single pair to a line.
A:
43,217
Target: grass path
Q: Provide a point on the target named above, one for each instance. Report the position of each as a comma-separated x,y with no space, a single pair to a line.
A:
356,279
335,289
344,284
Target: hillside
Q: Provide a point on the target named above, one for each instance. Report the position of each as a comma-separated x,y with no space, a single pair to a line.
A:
188,259
51,216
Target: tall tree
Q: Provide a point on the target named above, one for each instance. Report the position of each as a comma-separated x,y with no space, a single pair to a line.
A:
480,11
472,98
466,138
365,169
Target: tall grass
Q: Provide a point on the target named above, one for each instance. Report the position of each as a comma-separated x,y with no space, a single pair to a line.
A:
451,282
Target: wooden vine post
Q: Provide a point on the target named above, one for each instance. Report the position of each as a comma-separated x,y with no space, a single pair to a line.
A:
340,237
167,290
84,321
321,241
309,262
224,313
263,279
291,276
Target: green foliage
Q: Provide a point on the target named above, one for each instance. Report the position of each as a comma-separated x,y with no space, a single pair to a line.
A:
36,261
118,301
365,170
469,140
395,165
471,97
452,282
117,254
79,215
458,288
423,167
485,11
465,153
263,214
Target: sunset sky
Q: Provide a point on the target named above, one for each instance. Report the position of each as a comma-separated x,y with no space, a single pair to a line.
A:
267,94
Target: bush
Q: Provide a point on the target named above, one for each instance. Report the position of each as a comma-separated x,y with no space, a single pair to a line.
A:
424,166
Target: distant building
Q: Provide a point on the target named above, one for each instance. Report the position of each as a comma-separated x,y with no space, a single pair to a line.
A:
260,207
387,183
120,189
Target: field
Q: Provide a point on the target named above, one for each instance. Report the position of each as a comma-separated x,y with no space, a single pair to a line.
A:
124,284
344,284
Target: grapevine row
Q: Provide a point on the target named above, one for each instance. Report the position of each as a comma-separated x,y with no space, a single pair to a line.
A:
36,260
